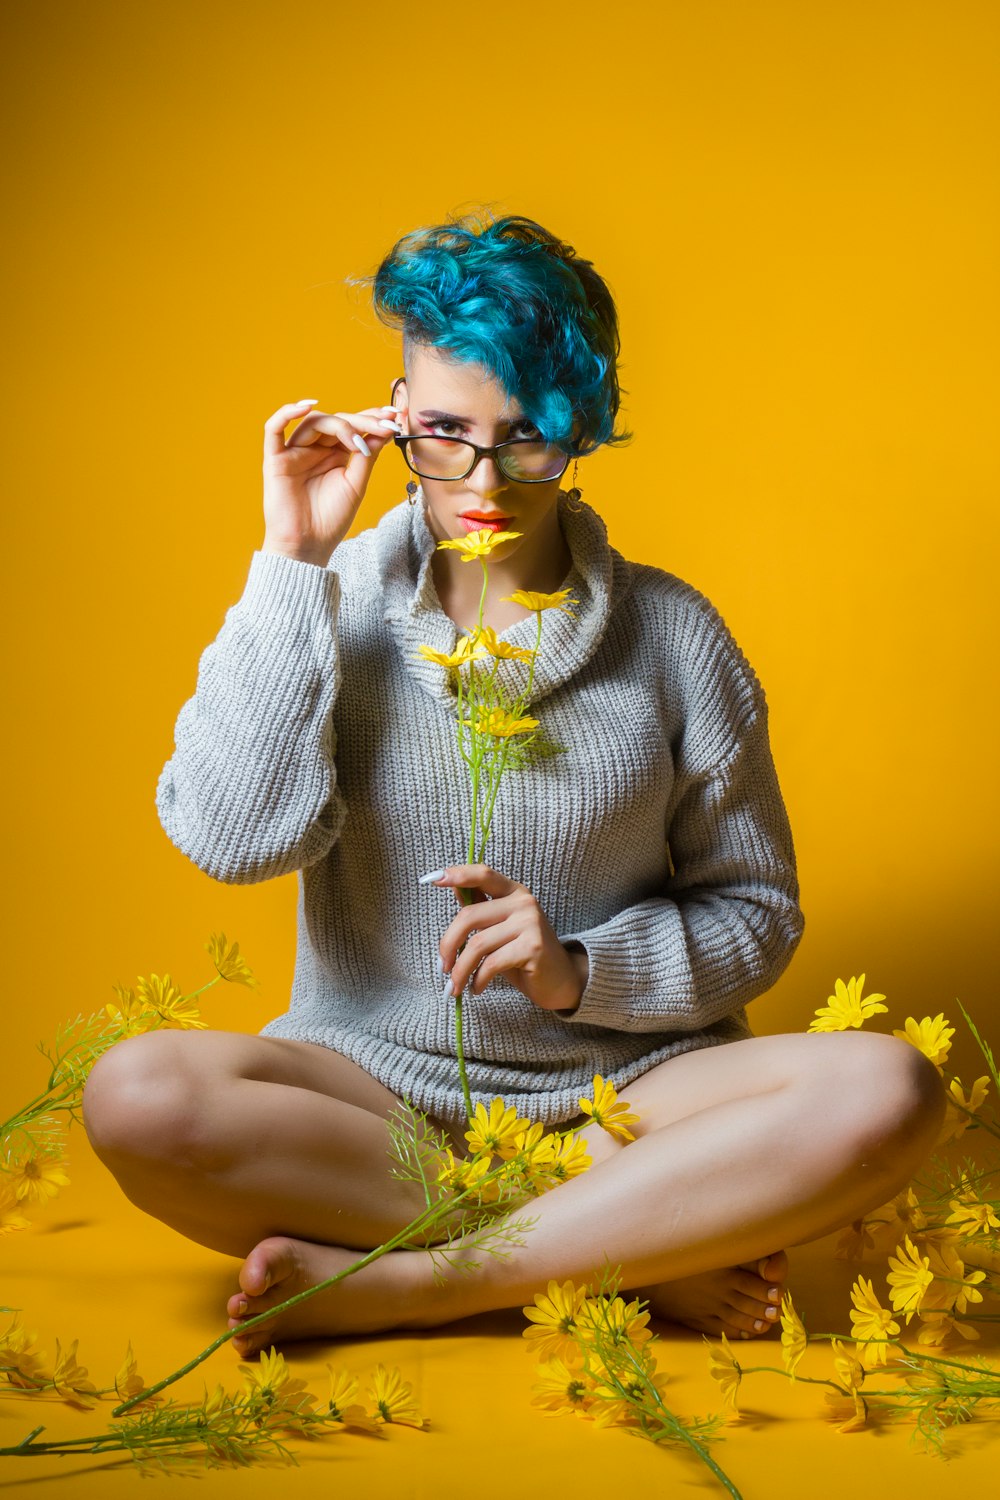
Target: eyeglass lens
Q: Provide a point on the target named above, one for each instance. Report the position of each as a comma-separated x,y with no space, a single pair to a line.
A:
451,458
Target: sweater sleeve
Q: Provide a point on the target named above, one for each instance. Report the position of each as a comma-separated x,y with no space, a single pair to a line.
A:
250,791
728,921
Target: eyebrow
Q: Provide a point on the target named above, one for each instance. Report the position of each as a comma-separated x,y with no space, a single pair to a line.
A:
450,416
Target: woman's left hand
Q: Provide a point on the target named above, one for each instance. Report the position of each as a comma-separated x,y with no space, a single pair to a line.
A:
510,935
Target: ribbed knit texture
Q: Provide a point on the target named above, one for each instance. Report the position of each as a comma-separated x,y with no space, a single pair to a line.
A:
317,741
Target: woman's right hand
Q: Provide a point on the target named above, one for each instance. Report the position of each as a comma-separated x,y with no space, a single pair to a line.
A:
315,481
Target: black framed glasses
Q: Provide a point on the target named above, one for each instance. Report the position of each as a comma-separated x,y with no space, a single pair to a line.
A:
525,460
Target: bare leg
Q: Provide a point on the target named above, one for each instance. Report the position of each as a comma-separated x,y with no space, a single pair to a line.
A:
806,1132
228,1138
231,1139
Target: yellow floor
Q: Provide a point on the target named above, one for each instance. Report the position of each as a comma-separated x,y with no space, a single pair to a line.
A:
96,1269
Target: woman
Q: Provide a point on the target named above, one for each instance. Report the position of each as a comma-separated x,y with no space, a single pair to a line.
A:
641,884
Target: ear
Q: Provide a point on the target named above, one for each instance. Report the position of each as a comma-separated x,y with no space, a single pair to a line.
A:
400,395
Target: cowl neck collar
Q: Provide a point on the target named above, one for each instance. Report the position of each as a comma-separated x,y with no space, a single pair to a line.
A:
597,578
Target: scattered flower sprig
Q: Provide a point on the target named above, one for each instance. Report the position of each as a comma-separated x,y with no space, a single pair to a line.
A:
945,1262
596,1361
32,1160
224,1429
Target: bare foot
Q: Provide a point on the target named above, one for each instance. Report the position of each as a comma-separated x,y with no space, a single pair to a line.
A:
735,1300
374,1298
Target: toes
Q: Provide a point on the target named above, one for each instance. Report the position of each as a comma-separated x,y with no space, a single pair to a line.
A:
269,1262
745,1285
774,1267
754,1308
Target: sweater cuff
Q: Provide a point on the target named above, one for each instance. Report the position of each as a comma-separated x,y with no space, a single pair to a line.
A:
289,589
619,971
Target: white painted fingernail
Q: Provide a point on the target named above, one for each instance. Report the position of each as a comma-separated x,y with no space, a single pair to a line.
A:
361,445
392,426
431,875
449,993
440,966
307,401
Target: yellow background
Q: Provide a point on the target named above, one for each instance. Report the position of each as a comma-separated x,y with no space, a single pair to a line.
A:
796,209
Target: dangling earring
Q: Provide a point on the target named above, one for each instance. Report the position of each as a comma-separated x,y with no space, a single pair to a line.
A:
573,495
412,490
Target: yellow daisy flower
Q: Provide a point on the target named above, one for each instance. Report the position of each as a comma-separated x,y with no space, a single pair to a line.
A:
469,1177
70,1378
611,1405
560,1389
10,1219
793,1335
131,1014
872,1323
495,1132
270,1376
128,1381
530,600
37,1177
613,1320
951,1289
535,1150
850,1370
487,638
500,723
163,996
556,1313
479,543
23,1362
609,1114
937,1329
227,959
909,1278
851,1414
392,1398
931,1037
341,1404
854,1241
466,650
956,1122
569,1158
724,1368
973,1217
846,1008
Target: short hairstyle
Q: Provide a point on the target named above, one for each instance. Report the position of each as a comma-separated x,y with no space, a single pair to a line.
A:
506,294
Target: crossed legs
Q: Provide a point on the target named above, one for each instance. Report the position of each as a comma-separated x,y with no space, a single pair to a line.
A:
276,1151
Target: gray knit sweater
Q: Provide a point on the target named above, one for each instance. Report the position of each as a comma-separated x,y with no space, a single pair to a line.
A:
317,740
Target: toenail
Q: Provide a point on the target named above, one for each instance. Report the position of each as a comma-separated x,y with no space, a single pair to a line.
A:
774,1295
770,1312
744,1334
242,1305
758,1325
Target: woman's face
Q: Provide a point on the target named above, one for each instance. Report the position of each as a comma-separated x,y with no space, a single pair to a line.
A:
461,400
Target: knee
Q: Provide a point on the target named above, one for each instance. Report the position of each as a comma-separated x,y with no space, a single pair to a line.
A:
902,1104
141,1098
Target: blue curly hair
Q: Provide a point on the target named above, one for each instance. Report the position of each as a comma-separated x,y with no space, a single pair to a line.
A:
508,295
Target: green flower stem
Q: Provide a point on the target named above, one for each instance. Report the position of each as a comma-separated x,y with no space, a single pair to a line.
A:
674,1430
465,896
422,1221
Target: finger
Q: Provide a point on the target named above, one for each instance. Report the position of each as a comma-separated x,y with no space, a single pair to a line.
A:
481,877
349,429
503,958
488,953
460,934
274,427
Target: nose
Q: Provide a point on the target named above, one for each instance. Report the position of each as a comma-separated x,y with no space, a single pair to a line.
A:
486,478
